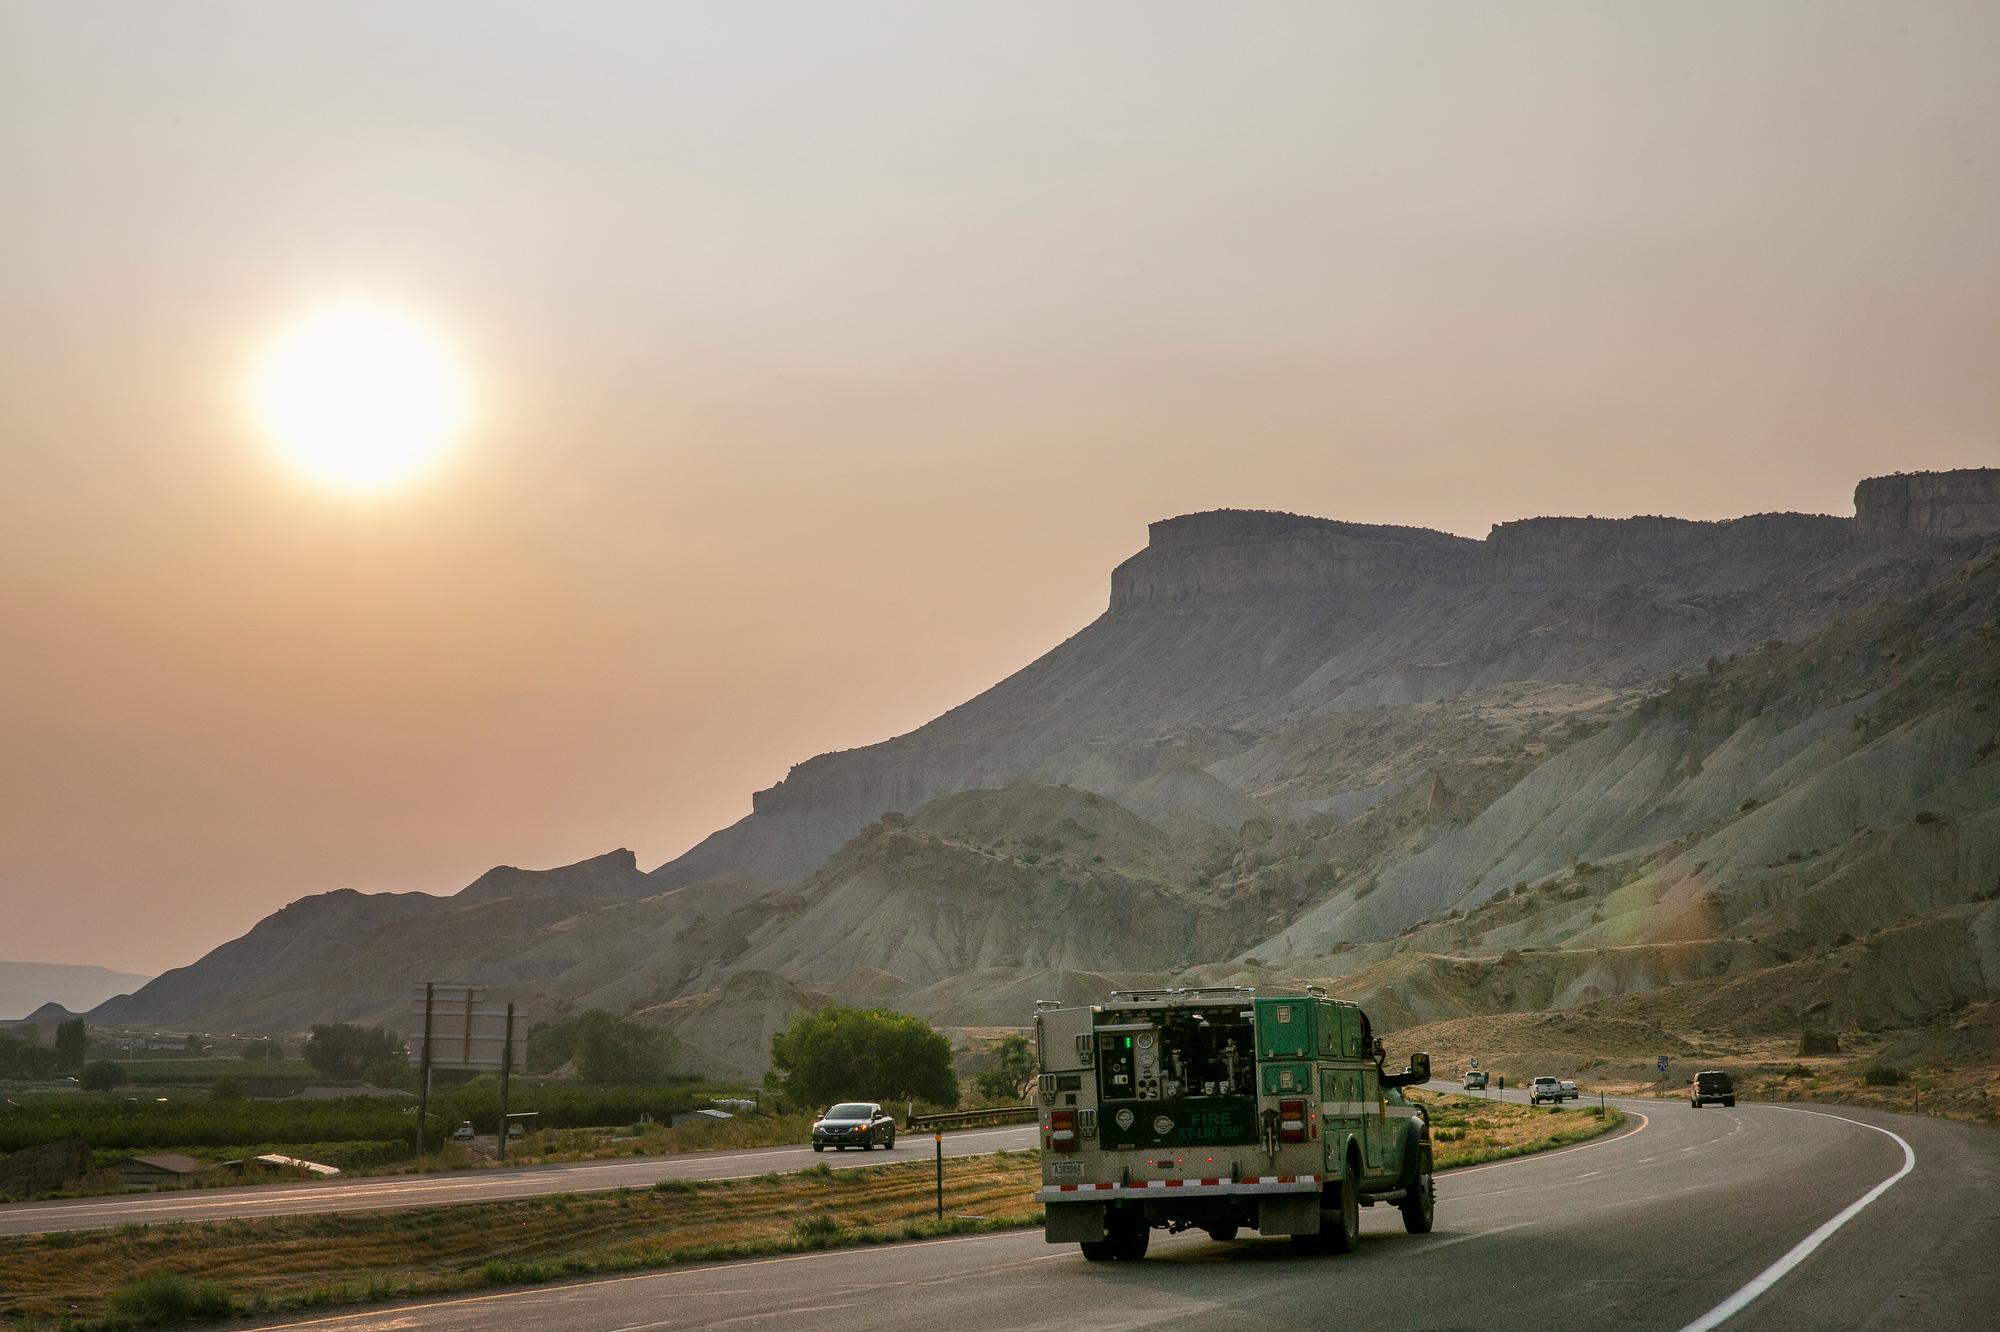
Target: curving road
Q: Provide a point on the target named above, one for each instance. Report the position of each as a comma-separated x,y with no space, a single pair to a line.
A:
475,1186
1758,1217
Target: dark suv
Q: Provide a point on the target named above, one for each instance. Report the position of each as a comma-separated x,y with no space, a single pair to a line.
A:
854,1124
1710,1089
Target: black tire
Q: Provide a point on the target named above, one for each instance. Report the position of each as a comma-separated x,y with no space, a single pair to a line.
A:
1128,1234
1345,1236
1729,1102
819,1146
1096,1251
1419,1205
1223,1234
891,1144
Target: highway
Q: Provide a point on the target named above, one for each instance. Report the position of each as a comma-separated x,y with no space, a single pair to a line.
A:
1761,1216
476,1186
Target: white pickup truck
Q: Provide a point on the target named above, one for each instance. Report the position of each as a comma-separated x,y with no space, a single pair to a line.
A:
1545,1089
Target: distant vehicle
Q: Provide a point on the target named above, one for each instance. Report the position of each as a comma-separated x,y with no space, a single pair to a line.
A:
514,1130
853,1124
1475,1080
1545,1089
1711,1088
463,1133
1568,1089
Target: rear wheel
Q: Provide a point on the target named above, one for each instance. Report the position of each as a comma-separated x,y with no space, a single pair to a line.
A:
1729,1102
1346,1236
1096,1251
1128,1234
1222,1234
1419,1205
1339,1226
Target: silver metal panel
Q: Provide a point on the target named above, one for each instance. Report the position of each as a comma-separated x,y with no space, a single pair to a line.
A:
1056,1030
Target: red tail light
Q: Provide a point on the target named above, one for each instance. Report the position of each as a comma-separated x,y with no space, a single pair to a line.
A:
1062,1130
1291,1121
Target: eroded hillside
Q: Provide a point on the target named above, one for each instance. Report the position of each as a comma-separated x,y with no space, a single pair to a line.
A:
1654,775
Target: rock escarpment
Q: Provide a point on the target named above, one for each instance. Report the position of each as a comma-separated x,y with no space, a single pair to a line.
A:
1964,503
1297,748
1232,622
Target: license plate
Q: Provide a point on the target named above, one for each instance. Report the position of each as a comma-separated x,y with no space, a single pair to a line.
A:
1066,1169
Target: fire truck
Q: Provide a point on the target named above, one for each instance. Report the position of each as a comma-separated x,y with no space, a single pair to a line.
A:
1220,1109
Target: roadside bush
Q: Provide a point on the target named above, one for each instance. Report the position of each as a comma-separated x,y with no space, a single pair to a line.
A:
102,1075
166,1298
817,1231
1882,1075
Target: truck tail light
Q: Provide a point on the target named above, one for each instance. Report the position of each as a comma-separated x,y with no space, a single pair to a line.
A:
1291,1121
1062,1130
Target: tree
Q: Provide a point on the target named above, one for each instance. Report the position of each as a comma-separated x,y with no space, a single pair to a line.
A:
340,1050
835,1053
102,1076
193,1043
24,1057
1014,1067
226,1088
605,1047
263,1051
72,1043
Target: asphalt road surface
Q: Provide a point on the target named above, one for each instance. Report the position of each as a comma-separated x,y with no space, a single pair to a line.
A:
473,1186
1759,1216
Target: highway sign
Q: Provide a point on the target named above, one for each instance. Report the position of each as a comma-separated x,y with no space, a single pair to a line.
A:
464,1029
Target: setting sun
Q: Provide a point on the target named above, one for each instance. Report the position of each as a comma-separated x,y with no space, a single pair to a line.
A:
359,395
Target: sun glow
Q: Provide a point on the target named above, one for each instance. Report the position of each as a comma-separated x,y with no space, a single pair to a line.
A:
359,395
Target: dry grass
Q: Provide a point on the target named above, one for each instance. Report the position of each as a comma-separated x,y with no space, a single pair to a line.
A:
307,1261
1468,1130
110,1278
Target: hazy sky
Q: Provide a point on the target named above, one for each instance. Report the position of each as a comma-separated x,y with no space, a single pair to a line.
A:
825,358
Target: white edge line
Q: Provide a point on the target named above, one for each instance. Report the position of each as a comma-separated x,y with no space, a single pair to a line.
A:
1803,1250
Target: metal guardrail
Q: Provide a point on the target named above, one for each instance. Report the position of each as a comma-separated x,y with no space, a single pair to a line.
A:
998,1114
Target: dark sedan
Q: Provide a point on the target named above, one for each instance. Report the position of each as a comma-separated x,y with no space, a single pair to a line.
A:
854,1124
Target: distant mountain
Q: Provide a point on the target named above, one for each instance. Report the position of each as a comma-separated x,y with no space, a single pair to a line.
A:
26,986
1728,772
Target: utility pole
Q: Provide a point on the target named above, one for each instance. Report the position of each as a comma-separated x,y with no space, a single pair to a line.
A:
938,1139
506,1068
424,1072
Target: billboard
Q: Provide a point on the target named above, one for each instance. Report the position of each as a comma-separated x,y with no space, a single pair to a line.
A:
466,1029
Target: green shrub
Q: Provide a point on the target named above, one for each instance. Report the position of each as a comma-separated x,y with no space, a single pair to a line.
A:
1882,1075
167,1298
817,1231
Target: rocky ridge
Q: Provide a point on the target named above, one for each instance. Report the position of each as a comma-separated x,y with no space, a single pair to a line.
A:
1582,764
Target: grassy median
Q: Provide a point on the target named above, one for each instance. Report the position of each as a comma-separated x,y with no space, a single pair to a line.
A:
137,1276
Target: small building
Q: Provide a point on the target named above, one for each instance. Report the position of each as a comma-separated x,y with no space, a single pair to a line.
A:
150,1172
687,1117
277,1161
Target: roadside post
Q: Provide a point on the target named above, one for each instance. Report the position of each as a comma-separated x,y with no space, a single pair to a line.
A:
506,1069
937,1140
424,1070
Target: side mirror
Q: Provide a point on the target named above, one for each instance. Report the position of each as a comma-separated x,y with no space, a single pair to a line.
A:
1418,1071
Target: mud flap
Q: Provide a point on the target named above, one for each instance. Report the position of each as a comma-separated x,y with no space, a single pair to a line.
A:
1288,1214
1074,1223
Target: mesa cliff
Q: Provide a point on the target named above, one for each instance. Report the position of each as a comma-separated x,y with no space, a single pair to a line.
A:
1585,764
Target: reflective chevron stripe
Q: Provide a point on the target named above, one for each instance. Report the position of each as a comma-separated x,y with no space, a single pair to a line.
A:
1155,1187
